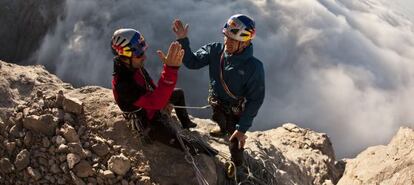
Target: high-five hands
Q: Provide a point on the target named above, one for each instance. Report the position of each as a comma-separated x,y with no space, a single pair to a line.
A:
179,29
174,56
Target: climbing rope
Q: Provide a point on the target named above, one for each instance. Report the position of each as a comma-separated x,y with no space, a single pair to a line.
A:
260,171
189,107
189,158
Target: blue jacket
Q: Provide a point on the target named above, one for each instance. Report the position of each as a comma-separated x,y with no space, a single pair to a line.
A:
243,74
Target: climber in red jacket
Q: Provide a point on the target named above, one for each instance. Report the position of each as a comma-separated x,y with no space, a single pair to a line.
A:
136,93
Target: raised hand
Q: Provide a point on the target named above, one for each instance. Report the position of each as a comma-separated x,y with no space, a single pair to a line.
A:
174,56
179,29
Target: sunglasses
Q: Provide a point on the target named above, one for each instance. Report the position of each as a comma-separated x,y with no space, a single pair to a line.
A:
139,50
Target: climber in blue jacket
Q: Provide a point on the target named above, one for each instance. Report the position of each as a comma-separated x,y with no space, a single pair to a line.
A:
237,86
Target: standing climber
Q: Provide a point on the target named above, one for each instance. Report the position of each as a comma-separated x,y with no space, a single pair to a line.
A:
135,92
237,86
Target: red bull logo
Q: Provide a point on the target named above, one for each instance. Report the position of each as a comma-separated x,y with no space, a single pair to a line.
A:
124,51
232,23
118,49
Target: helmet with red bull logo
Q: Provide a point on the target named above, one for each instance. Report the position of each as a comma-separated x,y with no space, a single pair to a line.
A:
128,42
240,27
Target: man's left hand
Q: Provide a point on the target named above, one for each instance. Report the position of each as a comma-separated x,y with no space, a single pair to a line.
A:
240,136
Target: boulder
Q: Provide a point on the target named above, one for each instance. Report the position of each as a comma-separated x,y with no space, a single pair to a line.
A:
45,124
72,105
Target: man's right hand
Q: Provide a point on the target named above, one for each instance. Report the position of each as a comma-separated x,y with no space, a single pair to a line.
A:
174,56
179,29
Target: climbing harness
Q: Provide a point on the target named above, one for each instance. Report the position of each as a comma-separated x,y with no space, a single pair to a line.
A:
136,124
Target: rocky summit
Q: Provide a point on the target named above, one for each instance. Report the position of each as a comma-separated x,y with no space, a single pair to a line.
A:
53,133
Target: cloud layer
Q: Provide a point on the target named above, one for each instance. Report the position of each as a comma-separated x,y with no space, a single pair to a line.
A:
342,67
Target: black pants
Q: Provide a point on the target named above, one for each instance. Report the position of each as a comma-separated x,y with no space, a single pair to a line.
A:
227,122
161,130
177,98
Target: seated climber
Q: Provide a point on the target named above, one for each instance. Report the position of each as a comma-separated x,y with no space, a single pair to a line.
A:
137,95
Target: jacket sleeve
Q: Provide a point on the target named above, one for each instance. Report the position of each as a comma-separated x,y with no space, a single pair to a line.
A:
157,99
195,60
254,99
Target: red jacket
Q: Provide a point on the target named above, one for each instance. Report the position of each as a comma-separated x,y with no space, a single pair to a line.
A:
134,89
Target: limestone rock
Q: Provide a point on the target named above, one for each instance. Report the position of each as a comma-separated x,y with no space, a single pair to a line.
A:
77,148
72,159
76,179
34,173
107,174
14,131
45,142
70,134
100,148
119,164
297,149
45,124
72,105
6,166
10,146
59,99
63,148
28,139
60,140
83,169
22,160
391,164
55,169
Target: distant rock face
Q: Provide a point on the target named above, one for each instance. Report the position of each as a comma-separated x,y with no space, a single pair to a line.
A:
391,164
38,16
18,83
52,133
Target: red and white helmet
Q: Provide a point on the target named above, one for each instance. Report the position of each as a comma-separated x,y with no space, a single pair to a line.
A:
240,27
128,42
